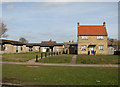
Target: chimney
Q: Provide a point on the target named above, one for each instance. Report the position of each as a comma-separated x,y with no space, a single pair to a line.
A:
104,24
78,24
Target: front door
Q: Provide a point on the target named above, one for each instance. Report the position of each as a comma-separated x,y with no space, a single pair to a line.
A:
92,49
16,49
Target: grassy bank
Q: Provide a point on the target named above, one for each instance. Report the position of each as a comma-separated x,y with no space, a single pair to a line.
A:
97,59
20,57
56,59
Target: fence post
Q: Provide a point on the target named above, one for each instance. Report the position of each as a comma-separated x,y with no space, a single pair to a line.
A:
41,55
45,54
36,58
52,53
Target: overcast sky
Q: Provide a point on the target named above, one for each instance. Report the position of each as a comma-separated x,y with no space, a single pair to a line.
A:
41,21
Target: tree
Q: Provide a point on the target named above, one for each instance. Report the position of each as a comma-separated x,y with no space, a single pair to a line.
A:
22,39
3,29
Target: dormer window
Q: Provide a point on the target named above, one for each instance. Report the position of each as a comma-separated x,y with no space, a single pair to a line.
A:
99,37
84,37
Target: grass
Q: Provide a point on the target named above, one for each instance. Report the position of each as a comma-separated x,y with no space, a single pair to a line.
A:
59,75
20,57
97,59
56,59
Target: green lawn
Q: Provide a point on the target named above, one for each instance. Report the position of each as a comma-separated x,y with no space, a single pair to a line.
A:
21,57
59,75
97,59
56,59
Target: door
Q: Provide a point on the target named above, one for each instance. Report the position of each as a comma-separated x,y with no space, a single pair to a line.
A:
16,49
44,49
92,50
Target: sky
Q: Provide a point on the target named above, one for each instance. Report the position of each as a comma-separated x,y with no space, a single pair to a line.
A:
42,21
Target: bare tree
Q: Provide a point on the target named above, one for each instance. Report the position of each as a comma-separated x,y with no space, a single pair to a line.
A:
3,29
22,39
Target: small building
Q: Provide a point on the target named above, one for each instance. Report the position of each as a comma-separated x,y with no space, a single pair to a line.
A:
51,46
112,47
10,46
92,39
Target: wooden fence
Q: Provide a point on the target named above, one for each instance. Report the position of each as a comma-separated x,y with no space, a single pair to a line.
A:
46,54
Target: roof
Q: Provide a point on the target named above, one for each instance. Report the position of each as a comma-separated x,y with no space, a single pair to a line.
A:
45,43
3,41
49,42
92,30
111,43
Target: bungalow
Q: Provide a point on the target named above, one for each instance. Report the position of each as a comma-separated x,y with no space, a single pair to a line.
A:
9,46
92,39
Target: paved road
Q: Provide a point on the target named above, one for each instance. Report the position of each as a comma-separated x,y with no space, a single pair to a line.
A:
56,64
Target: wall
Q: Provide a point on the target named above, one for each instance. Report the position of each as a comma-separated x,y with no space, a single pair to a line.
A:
36,48
111,50
92,40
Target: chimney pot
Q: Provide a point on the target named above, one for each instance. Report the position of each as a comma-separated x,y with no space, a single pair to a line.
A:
104,24
78,24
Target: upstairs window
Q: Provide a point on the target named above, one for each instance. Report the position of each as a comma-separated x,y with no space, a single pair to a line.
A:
84,37
101,47
99,37
83,47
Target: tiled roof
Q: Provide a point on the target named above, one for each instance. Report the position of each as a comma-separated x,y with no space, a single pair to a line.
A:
92,30
3,41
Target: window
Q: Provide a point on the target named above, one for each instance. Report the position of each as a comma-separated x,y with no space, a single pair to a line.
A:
36,48
99,37
83,47
84,37
100,47
21,48
5,47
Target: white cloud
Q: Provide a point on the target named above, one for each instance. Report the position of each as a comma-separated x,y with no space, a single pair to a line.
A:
9,19
10,6
61,0
49,4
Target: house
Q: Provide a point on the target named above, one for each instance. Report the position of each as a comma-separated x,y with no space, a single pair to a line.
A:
10,46
70,47
51,46
92,39
112,47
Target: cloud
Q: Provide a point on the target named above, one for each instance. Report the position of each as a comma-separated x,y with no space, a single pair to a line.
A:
61,0
9,19
10,6
51,4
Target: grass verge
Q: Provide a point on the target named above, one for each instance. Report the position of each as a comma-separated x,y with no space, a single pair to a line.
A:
58,75
97,59
56,59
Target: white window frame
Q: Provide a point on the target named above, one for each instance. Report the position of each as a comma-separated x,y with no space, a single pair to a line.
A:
36,48
101,47
83,47
100,37
22,47
84,37
5,47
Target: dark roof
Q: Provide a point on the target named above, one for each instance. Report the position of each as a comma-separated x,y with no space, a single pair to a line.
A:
111,43
3,41
44,44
